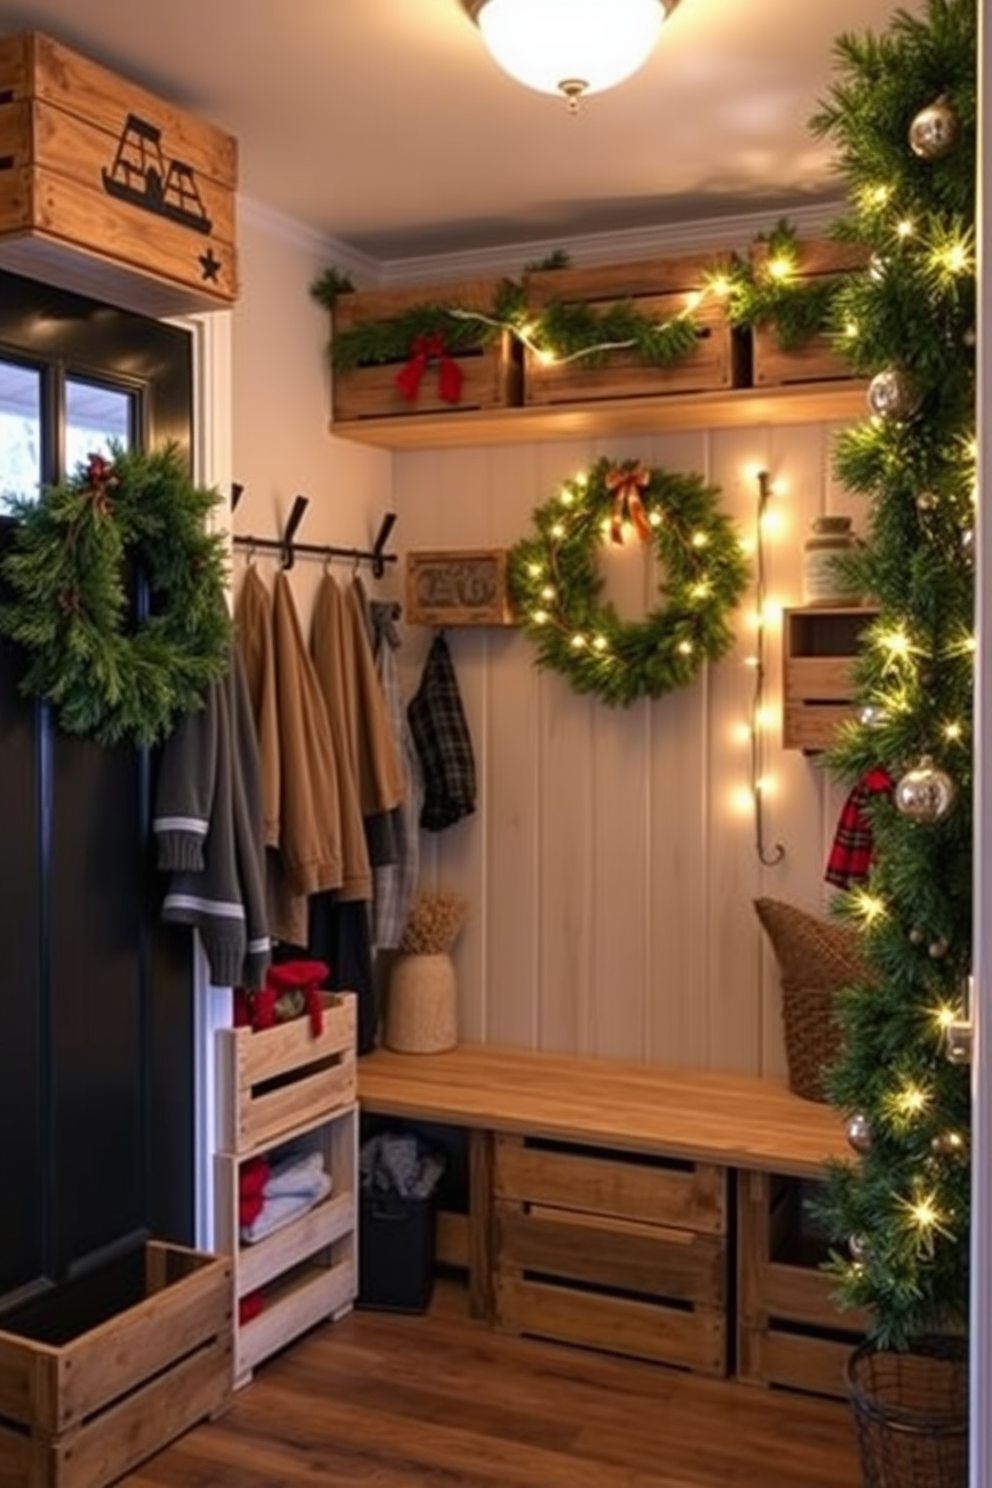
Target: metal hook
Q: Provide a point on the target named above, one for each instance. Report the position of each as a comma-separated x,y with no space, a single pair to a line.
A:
300,505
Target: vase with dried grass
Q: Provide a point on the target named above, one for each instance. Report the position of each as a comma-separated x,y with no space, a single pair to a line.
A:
422,1001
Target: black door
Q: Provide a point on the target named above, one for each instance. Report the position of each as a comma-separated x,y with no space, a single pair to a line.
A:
96,1059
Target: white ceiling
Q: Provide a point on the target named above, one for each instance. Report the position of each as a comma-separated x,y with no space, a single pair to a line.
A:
384,125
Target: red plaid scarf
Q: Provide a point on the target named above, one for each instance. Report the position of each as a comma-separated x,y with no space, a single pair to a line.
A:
850,856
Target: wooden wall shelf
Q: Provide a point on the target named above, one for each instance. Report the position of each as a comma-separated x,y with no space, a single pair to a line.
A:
799,404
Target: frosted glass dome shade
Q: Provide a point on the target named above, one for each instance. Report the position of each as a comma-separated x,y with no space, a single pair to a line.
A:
572,47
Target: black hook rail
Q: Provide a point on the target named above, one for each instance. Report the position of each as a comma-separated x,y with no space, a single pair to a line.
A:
289,549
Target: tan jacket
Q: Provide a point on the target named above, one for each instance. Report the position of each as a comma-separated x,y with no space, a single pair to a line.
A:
310,823
345,667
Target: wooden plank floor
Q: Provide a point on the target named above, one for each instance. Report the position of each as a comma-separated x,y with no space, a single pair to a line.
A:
382,1401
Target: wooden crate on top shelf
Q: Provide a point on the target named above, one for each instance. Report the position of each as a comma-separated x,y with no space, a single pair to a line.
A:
99,1373
271,1081
819,647
612,1251
490,373
790,1333
305,1271
108,190
815,361
659,289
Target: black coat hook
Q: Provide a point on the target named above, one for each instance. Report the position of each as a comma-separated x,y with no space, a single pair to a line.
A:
382,537
237,491
300,505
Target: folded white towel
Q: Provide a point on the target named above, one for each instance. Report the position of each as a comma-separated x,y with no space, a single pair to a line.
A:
282,1211
296,1175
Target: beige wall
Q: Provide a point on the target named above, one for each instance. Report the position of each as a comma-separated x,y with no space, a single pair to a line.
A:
609,869
281,402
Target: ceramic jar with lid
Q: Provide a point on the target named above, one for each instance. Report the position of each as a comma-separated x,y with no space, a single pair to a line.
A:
824,582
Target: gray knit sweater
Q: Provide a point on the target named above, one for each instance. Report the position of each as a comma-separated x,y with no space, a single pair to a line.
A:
208,827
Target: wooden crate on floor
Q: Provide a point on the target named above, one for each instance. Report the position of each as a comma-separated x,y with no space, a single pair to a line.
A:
109,191
612,1251
490,372
790,1332
270,1081
659,289
815,360
98,1374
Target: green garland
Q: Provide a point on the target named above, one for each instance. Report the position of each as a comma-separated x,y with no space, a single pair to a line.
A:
772,292
108,675
556,589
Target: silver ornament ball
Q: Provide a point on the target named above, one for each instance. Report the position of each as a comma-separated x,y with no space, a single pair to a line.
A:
938,949
927,501
871,715
926,793
934,130
859,1132
859,1247
890,395
917,936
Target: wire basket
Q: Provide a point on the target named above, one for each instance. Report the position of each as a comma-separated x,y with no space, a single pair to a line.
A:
911,1413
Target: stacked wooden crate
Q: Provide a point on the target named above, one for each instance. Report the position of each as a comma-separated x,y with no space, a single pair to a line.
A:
613,1250
288,1089
487,373
660,290
108,190
790,1332
101,1372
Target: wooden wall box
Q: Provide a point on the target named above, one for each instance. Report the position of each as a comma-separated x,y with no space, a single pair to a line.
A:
815,361
491,374
819,647
467,587
270,1081
660,289
601,1249
109,191
790,1333
101,1372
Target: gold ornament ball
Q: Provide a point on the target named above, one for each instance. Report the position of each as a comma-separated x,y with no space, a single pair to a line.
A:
917,936
926,793
934,130
927,501
859,1132
890,395
949,1144
938,949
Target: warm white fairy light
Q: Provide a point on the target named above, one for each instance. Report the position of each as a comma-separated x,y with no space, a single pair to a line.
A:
693,300
558,531
535,570
700,539
780,267
548,592
567,496
905,229
700,590
868,906
581,480
685,648
540,617
600,643
952,732
578,642
655,518
720,286
911,1100
945,1016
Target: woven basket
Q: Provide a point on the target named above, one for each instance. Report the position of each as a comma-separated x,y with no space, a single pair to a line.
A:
422,1005
816,958
911,1414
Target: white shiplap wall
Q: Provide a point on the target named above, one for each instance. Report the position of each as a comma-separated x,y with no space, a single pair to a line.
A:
610,872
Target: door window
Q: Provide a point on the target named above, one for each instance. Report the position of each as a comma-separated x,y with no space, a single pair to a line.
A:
20,432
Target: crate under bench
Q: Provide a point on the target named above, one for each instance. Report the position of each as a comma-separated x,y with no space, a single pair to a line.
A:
602,1192
100,1372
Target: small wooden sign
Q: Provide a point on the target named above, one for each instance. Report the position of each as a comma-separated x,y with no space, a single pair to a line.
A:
457,588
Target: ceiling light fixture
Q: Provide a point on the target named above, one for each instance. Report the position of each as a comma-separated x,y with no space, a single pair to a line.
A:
571,47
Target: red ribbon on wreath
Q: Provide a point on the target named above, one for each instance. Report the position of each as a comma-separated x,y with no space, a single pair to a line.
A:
426,351
627,483
102,480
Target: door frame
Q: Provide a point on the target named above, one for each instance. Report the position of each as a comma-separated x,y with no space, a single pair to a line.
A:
212,461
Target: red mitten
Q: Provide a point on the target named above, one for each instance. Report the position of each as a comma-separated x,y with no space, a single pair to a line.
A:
249,1307
263,1008
242,1008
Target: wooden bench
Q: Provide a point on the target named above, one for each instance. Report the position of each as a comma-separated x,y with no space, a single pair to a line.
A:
632,1207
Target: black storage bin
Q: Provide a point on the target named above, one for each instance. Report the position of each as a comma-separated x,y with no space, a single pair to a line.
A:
396,1247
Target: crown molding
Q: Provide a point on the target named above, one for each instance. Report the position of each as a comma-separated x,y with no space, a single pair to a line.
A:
736,232
367,271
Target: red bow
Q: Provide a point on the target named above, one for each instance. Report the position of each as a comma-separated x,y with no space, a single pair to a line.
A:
627,485
102,480
425,351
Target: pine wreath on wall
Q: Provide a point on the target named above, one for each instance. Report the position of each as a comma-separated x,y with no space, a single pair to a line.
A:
556,587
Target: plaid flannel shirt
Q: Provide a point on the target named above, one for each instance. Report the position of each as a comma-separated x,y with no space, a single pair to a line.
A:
440,732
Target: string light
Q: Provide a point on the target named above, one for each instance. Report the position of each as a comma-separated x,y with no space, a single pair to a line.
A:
655,518
600,643
558,531
912,1100
535,570
700,539
548,592
868,906
780,267
905,229
578,641
567,497
685,648
952,732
